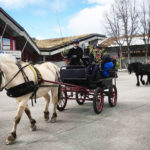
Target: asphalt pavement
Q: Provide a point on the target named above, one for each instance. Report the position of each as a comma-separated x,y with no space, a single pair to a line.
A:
124,127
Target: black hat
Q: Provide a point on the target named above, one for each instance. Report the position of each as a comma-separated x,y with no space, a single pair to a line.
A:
75,41
96,46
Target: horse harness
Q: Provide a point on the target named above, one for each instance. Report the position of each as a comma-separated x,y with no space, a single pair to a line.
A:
28,86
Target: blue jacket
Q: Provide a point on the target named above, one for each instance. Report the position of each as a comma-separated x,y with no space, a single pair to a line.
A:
107,66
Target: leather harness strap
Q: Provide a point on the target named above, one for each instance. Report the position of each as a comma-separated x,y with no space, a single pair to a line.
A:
38,79
34,72
22,71
37,74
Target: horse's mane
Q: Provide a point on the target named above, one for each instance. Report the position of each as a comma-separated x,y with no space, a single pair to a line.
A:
5,58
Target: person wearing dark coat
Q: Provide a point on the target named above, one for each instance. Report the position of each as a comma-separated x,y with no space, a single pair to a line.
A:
75,54
94,62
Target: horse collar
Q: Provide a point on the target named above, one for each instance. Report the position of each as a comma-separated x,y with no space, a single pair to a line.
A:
37,74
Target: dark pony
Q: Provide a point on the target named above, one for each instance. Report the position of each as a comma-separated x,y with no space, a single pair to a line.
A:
140,69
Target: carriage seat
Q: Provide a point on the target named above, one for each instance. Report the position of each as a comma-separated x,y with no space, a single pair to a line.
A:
73,73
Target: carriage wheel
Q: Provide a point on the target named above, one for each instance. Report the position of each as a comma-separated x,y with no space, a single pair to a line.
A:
112,96
62,101
98,100
80,97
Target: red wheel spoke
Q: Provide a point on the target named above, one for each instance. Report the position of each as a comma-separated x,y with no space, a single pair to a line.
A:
62,102
112,97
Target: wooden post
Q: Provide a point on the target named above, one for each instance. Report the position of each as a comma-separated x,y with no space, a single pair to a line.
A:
2,36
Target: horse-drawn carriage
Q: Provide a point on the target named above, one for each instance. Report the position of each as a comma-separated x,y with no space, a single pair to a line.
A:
24,81
76,86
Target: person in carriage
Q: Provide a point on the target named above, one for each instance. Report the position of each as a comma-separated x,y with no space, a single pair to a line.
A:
98,61
94,62
75,54
106,65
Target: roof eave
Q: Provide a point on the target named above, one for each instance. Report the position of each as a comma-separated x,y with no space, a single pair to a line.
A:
16,27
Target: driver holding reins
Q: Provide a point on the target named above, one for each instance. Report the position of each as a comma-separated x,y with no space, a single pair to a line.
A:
75,54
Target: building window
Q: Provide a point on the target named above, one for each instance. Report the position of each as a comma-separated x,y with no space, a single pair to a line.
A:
6,44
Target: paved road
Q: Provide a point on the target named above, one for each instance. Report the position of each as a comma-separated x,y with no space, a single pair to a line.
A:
124,127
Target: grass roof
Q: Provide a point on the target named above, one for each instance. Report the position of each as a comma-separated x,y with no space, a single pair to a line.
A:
56,42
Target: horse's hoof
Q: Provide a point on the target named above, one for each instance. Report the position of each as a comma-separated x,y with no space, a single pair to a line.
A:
11,139
53,120
54,117
34,128
9,142
46,116
46,120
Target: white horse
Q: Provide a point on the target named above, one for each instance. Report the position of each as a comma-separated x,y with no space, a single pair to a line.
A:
48,71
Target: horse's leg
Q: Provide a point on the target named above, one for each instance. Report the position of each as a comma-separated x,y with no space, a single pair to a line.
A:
138,82
11,139
54,92
143,82
32,121
46,112
147,79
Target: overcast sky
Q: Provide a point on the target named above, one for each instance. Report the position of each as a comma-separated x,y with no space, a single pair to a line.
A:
45,19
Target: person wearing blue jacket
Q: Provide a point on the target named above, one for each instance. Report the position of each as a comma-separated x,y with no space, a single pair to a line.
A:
107,64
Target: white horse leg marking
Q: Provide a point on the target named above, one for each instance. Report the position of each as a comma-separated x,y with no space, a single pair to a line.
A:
55,101
32,121
11,139
46,112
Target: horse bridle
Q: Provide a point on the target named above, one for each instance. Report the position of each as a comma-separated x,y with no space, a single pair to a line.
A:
2,75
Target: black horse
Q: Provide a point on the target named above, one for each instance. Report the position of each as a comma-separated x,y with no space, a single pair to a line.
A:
140,69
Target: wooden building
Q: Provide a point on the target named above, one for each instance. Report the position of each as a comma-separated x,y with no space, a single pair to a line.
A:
52,49
15,40
138,50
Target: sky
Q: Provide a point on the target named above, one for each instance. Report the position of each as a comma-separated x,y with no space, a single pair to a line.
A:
45,19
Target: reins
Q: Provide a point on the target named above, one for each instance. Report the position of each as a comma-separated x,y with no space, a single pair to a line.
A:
13,77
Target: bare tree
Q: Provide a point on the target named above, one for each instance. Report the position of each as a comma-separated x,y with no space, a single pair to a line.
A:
114,29
125,21
129,16
145,26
